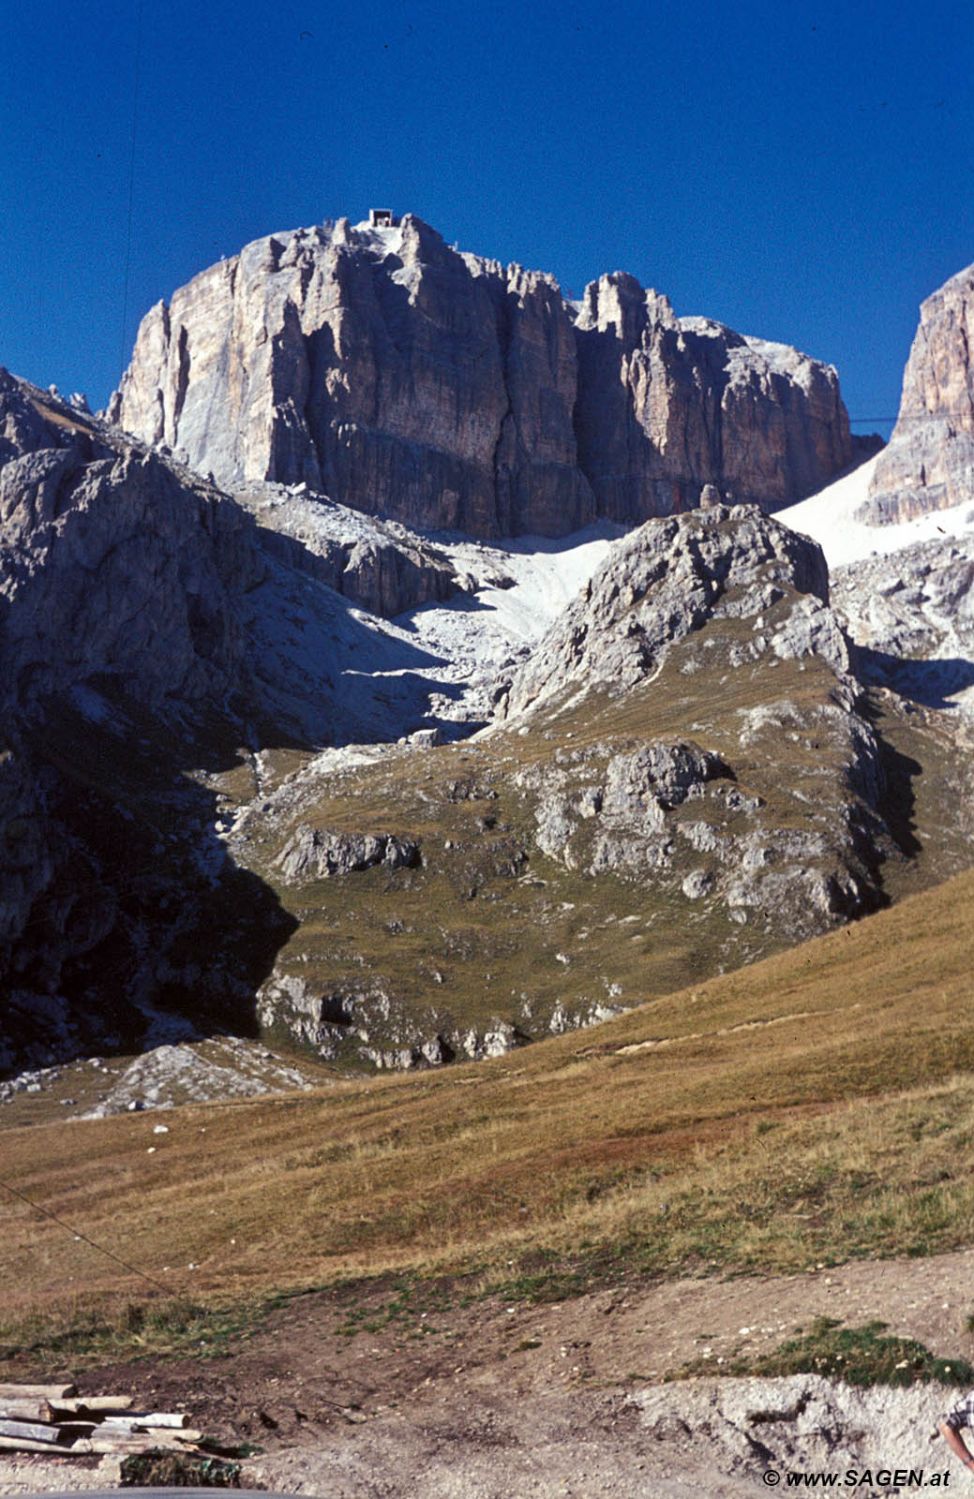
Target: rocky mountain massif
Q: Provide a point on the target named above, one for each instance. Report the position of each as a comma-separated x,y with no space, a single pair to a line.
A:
684,775
440,389
222,798
182,853
929,462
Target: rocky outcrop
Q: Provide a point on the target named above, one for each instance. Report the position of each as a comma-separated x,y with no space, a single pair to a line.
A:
608,813
381,576
379,566
316,854
388,579
929,461
775,816
440,389
367,1024
115,566
741,1431
912,615
122,648
625,805
668,579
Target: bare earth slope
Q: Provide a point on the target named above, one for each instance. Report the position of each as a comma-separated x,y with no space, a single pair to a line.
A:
562,1398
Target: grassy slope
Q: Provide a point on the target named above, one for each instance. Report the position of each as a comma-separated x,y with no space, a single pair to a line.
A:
557,936
811,1107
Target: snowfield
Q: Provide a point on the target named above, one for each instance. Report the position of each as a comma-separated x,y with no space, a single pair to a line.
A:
541,578
828,517
370,681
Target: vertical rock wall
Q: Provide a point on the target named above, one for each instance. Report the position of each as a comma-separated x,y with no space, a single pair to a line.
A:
444,390
929,462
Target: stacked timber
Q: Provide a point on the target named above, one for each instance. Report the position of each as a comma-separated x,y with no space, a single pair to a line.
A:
57,1421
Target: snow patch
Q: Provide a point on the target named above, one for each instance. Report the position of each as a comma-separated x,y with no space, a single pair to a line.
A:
828,517
364,679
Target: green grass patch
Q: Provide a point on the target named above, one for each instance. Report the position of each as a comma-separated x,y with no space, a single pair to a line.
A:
864,1356
131,1330
178,1470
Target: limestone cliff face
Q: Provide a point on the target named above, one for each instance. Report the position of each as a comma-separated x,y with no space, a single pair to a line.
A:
929,462
667,405
440,389
383,368
111,566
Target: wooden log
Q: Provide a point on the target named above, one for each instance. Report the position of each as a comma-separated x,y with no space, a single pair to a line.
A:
118,1445
37,1391
33,1431
121,1426
156,1438
155,1418
120,1441
24,1410
23,1444
90,1404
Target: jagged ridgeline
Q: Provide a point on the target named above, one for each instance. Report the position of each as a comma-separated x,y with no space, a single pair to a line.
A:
407,379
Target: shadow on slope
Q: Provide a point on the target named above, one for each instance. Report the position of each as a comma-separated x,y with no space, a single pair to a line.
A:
140,928
326,673
931,682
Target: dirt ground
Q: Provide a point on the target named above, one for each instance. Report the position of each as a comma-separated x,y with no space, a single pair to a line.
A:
374,1398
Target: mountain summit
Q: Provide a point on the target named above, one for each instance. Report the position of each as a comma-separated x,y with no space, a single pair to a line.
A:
400,376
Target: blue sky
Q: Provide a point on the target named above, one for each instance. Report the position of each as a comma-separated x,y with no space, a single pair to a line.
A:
802,172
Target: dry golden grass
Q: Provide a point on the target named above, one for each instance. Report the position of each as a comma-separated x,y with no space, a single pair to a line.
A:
812,1107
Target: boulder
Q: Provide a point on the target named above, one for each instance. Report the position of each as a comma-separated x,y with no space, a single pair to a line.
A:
316,854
